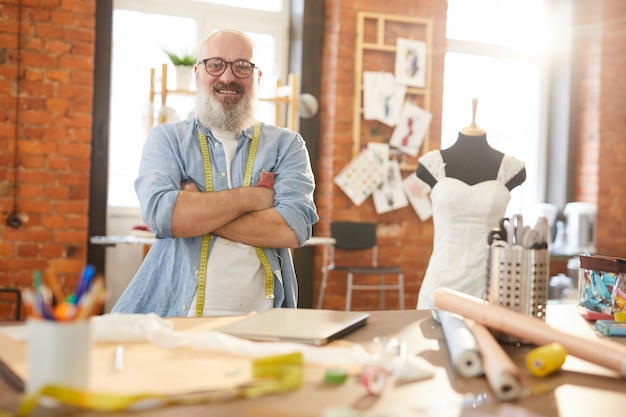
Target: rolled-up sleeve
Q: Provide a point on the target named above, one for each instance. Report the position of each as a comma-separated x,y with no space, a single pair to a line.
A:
158,183
294,186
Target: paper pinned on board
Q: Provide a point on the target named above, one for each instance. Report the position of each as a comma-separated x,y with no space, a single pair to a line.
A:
408,135
382,97
361,176
389,195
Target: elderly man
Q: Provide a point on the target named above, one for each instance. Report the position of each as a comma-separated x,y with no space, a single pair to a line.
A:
226,197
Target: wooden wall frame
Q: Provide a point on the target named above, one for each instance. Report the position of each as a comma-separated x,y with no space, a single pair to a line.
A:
376,35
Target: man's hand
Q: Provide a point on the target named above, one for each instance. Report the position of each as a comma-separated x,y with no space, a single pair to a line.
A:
197,213
189,186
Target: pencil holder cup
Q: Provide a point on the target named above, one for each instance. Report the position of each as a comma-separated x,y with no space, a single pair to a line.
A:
517,278
601,284
58,354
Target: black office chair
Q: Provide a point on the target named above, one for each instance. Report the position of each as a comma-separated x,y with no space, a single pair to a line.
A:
17,300
360,236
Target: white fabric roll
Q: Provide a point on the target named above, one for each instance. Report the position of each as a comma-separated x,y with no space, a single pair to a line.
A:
462,346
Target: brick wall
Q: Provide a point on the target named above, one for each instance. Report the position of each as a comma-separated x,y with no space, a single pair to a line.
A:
600,124
54,134
403,238
55,84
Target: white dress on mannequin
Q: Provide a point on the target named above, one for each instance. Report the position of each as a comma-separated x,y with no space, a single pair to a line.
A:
463,215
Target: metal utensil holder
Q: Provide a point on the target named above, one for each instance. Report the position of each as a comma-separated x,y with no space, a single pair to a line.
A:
517,278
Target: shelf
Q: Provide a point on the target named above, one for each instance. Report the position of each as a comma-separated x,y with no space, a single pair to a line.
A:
377,34
163,93
286,94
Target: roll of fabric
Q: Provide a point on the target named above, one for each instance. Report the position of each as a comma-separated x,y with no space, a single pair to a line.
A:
599,351
462,347
503,375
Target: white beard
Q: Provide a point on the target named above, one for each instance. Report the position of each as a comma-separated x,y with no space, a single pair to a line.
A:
228,117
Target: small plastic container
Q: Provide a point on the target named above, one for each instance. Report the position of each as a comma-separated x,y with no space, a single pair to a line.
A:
601,285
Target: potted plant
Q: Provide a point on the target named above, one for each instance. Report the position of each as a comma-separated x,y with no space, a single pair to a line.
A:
183,64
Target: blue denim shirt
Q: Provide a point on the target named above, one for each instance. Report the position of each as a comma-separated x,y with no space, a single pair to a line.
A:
167,279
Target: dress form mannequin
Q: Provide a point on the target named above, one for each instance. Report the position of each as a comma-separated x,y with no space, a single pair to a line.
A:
470,189
471,159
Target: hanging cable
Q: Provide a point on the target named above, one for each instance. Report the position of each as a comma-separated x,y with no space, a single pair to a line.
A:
13,220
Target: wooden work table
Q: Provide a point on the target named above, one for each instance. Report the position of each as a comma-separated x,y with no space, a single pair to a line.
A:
579,389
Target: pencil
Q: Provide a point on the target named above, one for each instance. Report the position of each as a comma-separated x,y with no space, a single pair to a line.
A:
53,281
91,301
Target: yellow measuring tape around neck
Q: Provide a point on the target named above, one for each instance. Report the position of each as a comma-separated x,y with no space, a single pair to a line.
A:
204,250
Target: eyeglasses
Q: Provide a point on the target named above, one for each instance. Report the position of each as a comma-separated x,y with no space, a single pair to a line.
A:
217,66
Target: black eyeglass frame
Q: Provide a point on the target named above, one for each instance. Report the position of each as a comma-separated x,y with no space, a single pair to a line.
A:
226,64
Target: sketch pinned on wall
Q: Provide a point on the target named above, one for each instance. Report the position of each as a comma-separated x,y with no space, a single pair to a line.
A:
389,195
361,176
411,65
382,97
381,151
409,133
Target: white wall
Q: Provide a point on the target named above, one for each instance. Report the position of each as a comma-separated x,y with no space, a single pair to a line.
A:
121,260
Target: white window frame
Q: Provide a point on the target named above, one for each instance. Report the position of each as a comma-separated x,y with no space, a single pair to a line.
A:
211,17
534,190
498,52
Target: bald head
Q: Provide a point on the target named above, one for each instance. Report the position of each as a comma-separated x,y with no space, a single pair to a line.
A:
228,44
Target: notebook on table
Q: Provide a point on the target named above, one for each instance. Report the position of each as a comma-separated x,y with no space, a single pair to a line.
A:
309,326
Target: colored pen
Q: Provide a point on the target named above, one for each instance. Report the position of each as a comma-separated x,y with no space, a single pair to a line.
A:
85,281
92,301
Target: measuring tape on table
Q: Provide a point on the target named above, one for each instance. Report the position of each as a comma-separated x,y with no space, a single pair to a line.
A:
274,374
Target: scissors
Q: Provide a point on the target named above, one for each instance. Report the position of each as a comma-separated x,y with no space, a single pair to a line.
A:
542,227
530,237
517,220
504,232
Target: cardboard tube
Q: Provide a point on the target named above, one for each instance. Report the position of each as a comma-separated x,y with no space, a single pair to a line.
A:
601,352
462,345
503,376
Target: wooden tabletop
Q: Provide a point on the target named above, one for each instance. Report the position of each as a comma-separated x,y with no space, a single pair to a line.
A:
579,388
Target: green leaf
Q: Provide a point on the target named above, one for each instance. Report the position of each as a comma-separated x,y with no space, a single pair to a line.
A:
187,58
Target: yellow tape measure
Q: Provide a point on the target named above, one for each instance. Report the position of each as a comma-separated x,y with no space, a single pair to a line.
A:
247,180
206,239
273,375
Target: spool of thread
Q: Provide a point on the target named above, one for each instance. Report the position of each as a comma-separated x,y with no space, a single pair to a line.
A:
375,379
547,359
335,376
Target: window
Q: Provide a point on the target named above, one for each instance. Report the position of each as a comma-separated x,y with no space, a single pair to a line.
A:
139,40
267,5
496,55
138,43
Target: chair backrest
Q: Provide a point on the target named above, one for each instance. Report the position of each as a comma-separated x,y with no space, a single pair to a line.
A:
17,301
353,235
